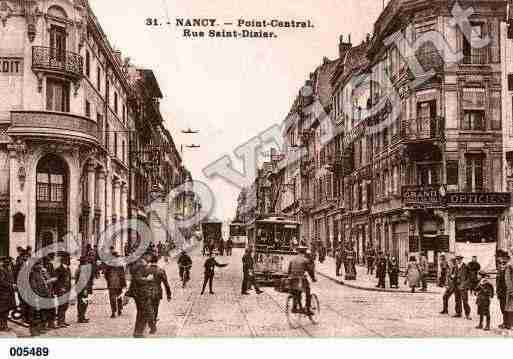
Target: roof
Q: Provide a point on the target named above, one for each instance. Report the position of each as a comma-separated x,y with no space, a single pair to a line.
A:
322,85
354,60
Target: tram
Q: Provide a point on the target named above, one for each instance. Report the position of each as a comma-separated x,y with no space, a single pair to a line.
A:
238,234
272,238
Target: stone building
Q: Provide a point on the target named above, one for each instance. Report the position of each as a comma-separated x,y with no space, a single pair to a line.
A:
67,109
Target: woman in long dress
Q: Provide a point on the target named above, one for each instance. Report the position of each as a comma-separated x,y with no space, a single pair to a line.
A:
413,274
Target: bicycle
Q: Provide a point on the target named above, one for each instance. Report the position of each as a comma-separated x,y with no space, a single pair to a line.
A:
294,316
185,275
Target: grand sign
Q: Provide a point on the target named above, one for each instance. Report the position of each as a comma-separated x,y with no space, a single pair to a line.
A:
498,199
422,196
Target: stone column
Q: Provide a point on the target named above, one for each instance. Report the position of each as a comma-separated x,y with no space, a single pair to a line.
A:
101,181
116,187
18,203
124,214
91,184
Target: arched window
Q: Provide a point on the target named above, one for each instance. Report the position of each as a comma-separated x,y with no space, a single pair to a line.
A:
51,181
57,11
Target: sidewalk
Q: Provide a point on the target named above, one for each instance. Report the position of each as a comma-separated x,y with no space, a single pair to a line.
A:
366,281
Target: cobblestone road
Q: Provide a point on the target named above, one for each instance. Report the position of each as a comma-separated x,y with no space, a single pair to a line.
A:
345,312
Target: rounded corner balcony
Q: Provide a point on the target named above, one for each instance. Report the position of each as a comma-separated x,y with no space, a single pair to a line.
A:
53,125
51,60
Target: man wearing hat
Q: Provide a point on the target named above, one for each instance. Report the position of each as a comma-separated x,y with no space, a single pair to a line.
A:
83,295
484,292
116,282
450,288
462,286
62,289
208,276
141,290
7,290
298,267
248,276
159,279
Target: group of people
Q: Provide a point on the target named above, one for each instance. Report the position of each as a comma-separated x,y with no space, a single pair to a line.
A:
50,280
210,246
464,280
346,255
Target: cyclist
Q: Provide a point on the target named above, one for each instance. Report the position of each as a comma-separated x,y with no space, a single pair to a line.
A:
184,266
298,267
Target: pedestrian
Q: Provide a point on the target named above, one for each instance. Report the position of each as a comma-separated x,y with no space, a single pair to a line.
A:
484,292
84,293
221,247
473,270
159,279
7,292
210,265
508,278
116,281
462,285
229,247
322,253
350,263
338,259
413,274
50,314
141,290
444,270
62,289
393,273
450,289
39,285
424,271
248,273
381,271
371,256
502,290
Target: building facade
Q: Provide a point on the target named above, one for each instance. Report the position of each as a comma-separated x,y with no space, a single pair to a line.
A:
68,110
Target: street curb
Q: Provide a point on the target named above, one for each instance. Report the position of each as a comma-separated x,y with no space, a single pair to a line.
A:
371,289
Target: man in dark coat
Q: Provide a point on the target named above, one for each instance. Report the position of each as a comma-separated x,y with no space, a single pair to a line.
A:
62,288
381,271
462,285
484,291
7,292
473,269
116,282
229,247
338,259
393,272
50,314
450,287
502,290
184,267
39,284
159,279
210,265
248,277
84,294
371,257
141,289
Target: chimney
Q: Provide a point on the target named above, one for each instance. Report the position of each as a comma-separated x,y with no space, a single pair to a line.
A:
344,46
325,60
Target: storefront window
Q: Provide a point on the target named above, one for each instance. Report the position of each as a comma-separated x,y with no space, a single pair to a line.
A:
476,230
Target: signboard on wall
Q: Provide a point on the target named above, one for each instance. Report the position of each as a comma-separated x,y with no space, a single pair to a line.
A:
500,199
421,196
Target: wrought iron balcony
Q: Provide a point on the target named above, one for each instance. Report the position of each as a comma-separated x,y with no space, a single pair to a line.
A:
306,203
54,60
424,128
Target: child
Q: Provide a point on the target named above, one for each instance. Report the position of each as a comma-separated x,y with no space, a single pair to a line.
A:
484,294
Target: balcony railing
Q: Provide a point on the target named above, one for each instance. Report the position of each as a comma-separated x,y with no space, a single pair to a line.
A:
476,57
424,128
54,60
306,203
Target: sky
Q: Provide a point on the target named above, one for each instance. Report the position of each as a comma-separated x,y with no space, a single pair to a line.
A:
229,89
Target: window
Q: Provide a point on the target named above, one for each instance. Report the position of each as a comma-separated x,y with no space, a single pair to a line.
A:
473,120
88,64
427,175
124,113
115,144
57,43
116,103
452,173
50,180
18,223
474,175
88,109
123,150
107,136
57,95
474,55
99,78
107,91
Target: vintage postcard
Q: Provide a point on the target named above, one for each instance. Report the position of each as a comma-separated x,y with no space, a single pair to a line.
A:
244,169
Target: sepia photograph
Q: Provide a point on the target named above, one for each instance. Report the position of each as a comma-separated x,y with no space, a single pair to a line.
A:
255,169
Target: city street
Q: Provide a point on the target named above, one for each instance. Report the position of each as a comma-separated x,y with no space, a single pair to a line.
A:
345,312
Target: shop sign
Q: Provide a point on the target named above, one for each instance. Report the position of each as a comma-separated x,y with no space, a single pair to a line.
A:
414,196
501,199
